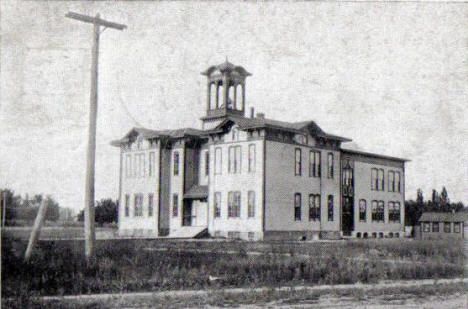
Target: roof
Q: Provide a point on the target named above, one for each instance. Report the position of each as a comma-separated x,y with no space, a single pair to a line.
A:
197,192
297,127
374,155
444,217
226,67
148,133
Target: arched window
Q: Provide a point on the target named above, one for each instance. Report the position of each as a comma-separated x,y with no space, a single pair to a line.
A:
331,168
330,208
362,210
314,207
297,207
381,180
374,180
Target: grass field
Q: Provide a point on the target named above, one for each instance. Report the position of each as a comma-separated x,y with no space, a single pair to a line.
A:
58,267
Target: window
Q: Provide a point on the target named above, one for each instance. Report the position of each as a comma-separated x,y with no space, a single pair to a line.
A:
331,169
151,164
347,177
426,227
374,180
381,180
362,210
297,206
176,163
391,181
127,205
252,158
298,162
234,159
446,227
128,166
378,210
314,207
135,172
218,161
235,134
397,182
435,227
251,204
330,208
234,204
175,205
314,164
138,205
381,211
456,227
207,163
150,204
394,212
217,204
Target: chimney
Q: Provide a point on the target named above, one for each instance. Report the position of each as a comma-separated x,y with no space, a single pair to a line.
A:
252,112
261,115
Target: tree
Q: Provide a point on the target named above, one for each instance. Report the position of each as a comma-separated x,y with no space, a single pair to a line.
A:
106,211
444,200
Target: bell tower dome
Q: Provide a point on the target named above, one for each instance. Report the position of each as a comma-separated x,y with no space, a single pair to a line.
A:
225,92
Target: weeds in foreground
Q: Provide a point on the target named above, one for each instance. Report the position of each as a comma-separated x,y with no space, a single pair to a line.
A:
58,268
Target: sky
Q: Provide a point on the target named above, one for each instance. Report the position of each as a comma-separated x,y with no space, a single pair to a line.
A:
391,76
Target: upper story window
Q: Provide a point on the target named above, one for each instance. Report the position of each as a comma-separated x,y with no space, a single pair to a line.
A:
377,179
374,179
234,204
297,206
128,165
381,180
447,227
138,205
391,181
150,204
362,210
218,161
314,164
207,163
251,204
175,205
457,227
330,208
435,227
234,159
252,158
127,205
217,204
298,162
176,163
397,182
151,162
314,207
331,168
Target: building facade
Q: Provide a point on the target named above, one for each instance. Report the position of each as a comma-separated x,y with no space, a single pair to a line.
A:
254,178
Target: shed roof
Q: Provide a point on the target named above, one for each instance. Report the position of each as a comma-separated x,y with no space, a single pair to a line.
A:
444,217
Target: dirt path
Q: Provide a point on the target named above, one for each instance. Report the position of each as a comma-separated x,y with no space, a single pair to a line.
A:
191,293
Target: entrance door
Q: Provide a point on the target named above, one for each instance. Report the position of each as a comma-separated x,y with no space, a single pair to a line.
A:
347,220
187,213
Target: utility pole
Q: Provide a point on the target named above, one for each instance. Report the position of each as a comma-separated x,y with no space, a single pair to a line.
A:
97,22
4,195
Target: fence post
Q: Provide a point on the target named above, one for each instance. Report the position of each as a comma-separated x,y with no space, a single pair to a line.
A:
36,229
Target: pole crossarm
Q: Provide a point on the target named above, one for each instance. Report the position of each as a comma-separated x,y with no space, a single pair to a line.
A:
95,20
